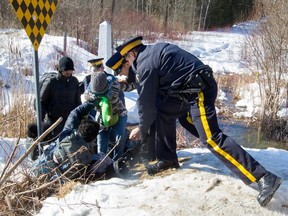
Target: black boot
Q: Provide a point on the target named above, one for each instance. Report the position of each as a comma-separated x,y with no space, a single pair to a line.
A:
162,165
268,184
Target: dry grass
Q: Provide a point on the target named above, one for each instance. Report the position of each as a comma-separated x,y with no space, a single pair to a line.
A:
23,195
18,201
232,82
66,189
15,122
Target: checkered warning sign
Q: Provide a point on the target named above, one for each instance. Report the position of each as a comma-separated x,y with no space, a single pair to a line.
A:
35,16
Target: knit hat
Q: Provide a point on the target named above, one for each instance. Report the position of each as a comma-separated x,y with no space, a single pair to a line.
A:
99,84
65,64
129,45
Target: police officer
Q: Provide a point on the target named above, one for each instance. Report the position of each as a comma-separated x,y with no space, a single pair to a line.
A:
173,82
127,77
97,66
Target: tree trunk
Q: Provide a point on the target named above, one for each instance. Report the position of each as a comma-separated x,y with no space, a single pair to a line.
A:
200,16
206,13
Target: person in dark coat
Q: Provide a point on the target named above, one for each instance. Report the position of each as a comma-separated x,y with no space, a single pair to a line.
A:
173,82
59,95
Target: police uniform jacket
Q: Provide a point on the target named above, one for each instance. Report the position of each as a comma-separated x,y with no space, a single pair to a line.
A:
160,68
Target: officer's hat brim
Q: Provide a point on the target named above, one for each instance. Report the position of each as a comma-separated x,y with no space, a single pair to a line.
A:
115,61
129,45
96,62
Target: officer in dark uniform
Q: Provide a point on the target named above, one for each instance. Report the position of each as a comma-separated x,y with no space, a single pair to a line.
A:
97,65
173,82
117,63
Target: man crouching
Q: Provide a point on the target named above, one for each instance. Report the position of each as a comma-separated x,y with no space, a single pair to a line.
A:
73,154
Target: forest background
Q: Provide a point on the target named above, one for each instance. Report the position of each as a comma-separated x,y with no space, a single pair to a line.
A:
81,19
172,19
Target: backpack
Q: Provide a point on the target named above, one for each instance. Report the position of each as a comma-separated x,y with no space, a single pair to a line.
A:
47,75
44,164
62,155
43,78
73,151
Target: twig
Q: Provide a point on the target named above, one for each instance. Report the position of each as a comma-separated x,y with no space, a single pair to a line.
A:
30,149
10,158
47,184
213,184
8,201
9,119
107,155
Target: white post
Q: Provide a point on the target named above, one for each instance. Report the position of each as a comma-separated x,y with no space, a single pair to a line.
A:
105,43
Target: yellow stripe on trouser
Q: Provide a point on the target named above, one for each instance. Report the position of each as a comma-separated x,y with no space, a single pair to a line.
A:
188,118
214,145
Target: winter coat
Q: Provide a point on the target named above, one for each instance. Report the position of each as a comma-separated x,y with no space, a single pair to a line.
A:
160,68
59,96
70,141
113,94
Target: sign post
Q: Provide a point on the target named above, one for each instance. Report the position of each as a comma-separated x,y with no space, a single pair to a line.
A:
35,16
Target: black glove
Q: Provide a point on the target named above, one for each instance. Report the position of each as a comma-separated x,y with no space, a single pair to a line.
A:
94,101
131,156
120,167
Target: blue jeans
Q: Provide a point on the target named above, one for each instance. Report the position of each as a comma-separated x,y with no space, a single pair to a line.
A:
112,134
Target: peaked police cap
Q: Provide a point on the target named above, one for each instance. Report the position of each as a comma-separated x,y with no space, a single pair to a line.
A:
96,62
115,61
129,45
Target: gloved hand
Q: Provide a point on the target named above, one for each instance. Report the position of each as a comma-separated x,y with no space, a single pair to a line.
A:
120,167
94,101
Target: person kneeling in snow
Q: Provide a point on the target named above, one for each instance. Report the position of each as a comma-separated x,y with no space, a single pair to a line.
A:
73,154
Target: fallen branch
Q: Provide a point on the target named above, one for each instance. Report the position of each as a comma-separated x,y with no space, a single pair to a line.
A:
213,184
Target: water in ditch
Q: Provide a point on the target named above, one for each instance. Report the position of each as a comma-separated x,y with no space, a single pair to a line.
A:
248,136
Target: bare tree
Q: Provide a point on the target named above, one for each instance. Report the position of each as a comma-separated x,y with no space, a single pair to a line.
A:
206,13
269,48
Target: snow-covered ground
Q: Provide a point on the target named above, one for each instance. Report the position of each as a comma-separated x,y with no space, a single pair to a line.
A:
202,185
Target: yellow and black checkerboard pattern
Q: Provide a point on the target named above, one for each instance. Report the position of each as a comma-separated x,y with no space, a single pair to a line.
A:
35,16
